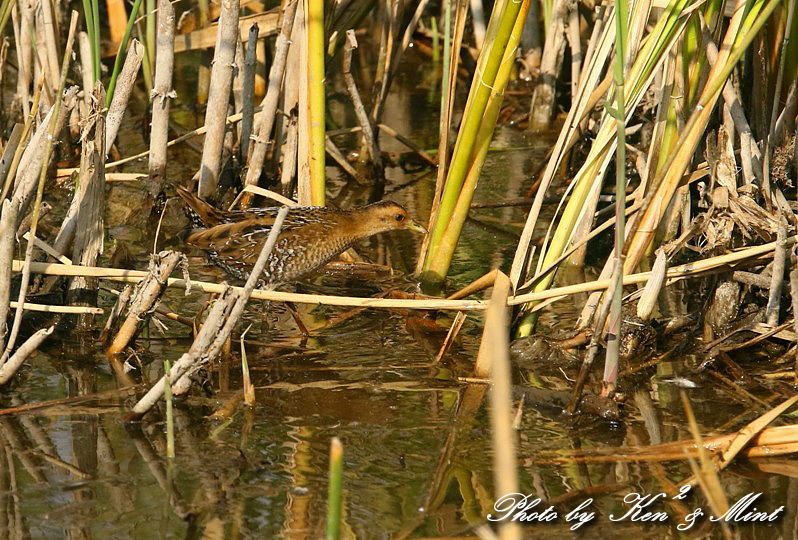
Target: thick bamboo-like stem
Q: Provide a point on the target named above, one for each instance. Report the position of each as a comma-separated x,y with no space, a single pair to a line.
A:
162,93
124,85
265,122
491,60
218,98
456,204
147,294
451,54
90,194
53,127
314,17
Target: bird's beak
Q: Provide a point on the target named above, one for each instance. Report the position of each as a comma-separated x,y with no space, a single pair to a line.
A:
415,226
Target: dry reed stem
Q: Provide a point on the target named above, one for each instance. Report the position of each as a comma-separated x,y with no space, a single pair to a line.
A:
20,14
51,46
706,475
205,38
248,92
9,151
686,270
457,324
218,98
90,196
87,76
290,155
162,93
10,367
408,143
147,294
337,156
369,136
8,225
494,360
777,276
540,112
124,85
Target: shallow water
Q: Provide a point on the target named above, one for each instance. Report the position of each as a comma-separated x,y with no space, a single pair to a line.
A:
416,441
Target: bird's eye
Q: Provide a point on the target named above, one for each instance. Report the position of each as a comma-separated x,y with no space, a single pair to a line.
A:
399,217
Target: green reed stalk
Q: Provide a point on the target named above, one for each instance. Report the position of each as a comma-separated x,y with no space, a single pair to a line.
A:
436,37
94,38
316,99
147,69
95,8
440,263
170,417
499,32
120,54
334,489
613,335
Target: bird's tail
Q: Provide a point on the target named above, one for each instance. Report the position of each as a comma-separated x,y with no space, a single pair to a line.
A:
201,214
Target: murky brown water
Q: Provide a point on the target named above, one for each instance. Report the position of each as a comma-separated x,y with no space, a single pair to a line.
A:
416,441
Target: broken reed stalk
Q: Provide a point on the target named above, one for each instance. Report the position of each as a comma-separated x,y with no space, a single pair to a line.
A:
123,83
335,489
8,228
227,311
265,123
162,93
10,367
219,98
248,92
541,108
316,98
48,148
147,294
85,66
777,276
614,327
90,198
369,137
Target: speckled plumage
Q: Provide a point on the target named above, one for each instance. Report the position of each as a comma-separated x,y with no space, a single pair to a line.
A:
310,237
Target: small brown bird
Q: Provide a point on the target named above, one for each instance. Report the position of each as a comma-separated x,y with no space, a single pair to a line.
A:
311,236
